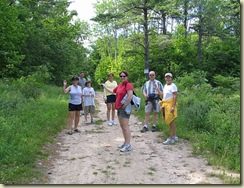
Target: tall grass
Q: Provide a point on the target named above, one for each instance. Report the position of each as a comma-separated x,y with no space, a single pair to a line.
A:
26,125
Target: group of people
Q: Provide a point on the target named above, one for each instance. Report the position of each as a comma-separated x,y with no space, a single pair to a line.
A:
81,97
118,97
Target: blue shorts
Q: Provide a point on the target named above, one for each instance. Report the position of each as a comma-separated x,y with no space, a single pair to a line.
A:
111,98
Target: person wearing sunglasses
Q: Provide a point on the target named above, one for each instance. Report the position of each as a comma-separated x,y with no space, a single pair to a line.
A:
75,104
125,87
152,97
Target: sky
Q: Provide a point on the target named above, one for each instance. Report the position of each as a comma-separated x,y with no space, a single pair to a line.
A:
84,9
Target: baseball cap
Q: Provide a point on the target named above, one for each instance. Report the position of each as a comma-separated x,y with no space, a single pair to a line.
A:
75,78
168,74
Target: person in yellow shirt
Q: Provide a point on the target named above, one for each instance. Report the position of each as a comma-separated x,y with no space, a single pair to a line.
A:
109,99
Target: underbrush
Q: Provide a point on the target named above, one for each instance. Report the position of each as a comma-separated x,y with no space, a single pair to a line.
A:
26,125
209,117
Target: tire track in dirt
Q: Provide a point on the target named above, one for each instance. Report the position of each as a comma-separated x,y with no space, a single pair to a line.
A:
92,157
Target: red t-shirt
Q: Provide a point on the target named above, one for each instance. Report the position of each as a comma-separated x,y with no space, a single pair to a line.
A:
121,91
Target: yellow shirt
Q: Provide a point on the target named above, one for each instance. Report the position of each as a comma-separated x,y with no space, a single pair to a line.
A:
110,85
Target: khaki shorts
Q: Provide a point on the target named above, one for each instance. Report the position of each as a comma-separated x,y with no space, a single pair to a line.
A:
149,107
89,109
122,114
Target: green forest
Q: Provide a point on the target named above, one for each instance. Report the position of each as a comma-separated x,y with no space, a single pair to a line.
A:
42,43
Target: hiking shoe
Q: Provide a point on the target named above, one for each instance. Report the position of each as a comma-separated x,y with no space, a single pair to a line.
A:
109,123
169,141
114,123
77,130
154,129
92,121
70,132
175,138
120,147
126,148
144,129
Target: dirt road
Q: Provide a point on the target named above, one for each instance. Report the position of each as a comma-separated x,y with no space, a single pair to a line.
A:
92,157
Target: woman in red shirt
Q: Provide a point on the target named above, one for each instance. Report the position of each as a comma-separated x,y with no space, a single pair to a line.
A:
125,87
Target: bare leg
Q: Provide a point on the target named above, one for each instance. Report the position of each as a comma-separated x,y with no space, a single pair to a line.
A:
109,105
124,124
113,111
172,129
147,116
155,117
71,119
77,119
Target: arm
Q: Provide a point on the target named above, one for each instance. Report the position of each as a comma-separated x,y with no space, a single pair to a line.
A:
144,91
104,94
175,100
158,90
93,92
66,90
130,95
105,87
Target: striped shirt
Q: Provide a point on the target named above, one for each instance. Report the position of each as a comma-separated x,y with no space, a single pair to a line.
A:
148,87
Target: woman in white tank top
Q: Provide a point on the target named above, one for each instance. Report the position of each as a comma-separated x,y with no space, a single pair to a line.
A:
75,103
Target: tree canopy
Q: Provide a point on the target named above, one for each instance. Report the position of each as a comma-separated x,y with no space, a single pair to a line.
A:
178,36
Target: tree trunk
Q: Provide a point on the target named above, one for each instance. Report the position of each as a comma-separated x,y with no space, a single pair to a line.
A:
185,16
200,35
115,49
146,52
164,23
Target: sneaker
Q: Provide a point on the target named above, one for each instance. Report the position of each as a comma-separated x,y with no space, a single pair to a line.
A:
70,132
176,138
126,148
154,129
144,129
109,123
77,130
120,147
114,123
169,141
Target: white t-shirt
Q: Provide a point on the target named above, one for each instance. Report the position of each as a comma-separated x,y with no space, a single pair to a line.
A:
88,100
75,95
168,91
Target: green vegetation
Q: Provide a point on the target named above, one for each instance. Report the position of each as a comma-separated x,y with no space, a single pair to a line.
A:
209,117
26,125
41,44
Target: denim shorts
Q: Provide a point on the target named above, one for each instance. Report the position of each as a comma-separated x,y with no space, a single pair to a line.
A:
122,114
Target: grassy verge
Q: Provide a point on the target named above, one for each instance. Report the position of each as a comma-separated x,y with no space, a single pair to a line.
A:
26,125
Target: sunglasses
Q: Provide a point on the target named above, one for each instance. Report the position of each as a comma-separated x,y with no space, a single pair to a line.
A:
122,76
